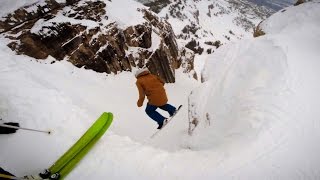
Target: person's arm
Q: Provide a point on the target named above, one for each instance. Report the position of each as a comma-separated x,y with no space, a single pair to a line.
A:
141,94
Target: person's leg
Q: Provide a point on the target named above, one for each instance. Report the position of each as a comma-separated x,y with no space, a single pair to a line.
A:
169,108
153,114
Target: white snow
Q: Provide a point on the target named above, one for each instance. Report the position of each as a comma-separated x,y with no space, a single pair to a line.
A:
291,18
67,100
8,6
41,24
60,1
124,16
214,26
124,12
261,95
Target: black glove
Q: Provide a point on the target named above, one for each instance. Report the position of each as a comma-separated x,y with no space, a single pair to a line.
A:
6,130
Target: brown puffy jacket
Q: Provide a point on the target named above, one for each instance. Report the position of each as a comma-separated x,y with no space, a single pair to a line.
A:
151,86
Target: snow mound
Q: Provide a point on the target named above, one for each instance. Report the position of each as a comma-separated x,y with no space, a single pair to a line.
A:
261,98
246,87
125,12
291,18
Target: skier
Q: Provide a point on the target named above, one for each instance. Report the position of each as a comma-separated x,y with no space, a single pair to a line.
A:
152,86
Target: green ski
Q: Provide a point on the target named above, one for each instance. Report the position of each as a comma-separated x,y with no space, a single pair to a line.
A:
71,157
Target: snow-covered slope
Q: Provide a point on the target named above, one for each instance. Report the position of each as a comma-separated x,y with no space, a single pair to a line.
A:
67,100
204,21
261,97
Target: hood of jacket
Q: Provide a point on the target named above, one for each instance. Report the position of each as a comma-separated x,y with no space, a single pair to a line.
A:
141,72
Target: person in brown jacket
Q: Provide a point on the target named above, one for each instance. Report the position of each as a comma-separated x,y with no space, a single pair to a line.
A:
152,86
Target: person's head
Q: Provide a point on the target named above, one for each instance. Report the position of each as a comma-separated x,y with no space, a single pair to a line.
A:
141,71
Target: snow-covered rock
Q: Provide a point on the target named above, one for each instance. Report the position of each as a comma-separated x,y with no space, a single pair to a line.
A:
104,36
199,23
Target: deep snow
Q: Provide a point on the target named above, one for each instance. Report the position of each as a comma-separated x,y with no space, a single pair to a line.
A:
261,95
262,99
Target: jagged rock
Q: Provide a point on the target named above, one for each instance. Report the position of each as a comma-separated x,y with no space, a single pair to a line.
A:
194,46
258,31
70,2
161,67
139,35
103,48
27,13
217,43
187,62
89,10
190,29
299,2
157,5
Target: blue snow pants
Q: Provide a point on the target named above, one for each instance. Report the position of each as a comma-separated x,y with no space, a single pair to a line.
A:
153,114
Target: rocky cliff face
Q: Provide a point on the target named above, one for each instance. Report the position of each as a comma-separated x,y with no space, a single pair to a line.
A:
199,24
80,32
28,13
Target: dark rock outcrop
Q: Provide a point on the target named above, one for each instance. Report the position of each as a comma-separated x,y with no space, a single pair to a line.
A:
26,14
101,47
257,31
157,5
299,2
90,10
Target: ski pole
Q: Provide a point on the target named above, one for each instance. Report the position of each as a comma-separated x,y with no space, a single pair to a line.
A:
15,127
